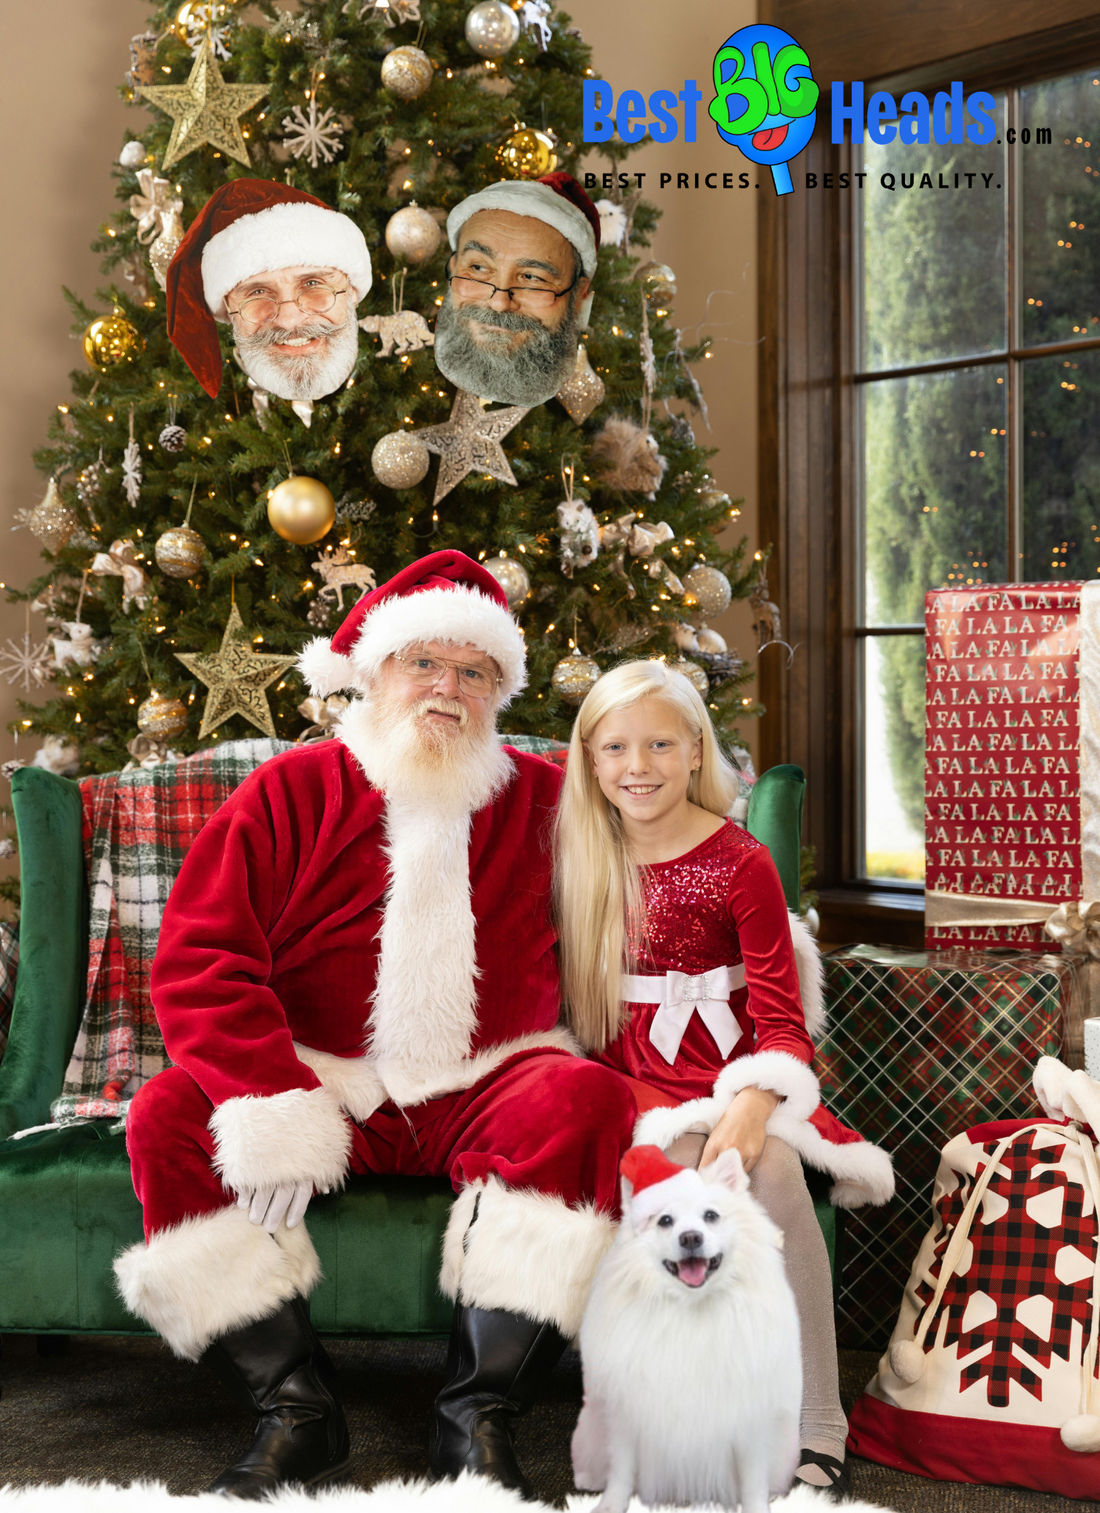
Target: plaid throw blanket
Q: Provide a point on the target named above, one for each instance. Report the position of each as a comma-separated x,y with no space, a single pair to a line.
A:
137,829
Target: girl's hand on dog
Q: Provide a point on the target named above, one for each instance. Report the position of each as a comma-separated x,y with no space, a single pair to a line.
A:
742,1127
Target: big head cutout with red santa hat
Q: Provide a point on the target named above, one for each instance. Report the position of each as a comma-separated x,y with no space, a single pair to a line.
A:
518,281
287,271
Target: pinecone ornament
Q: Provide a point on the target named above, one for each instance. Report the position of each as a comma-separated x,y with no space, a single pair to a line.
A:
173,438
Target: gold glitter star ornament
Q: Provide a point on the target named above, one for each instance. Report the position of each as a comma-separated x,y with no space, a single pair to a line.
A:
469,442
205,110
236,677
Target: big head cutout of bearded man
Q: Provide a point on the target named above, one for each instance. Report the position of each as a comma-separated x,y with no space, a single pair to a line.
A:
518,282
287,272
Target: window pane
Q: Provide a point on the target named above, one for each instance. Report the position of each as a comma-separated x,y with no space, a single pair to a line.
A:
1060,210
1061,397
933,258
893,757
934,471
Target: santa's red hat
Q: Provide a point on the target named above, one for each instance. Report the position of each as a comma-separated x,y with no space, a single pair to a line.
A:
251,226
654,1180
556,198
444,597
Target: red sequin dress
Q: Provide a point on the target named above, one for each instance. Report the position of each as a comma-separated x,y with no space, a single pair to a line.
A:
717,905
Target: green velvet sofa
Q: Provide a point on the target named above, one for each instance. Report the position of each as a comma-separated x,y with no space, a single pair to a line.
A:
66,1203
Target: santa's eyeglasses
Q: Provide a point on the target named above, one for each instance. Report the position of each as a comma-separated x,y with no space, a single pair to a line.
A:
312,299
527,296
477,678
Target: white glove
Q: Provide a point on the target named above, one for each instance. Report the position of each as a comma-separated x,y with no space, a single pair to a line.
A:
269,1206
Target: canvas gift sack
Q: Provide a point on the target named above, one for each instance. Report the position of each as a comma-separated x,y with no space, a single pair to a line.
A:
991,1373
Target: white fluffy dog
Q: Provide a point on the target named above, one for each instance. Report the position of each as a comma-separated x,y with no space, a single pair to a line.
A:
690,1346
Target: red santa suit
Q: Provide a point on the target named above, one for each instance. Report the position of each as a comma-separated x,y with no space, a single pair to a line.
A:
720,906
350,978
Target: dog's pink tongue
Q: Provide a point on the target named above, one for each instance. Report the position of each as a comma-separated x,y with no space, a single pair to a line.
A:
693,1272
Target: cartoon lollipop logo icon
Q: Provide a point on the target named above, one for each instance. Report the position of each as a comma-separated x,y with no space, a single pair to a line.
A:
766,98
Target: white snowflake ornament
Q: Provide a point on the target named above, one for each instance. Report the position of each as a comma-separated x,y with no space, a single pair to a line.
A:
22,660
200,23
316,134
131,467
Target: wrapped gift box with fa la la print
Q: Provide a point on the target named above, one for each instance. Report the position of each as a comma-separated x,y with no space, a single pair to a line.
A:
1012,764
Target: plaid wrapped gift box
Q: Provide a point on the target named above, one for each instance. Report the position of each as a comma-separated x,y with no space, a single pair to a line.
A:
922,1045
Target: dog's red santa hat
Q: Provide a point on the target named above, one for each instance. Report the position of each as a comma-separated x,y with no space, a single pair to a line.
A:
443,597
654,1180
251,226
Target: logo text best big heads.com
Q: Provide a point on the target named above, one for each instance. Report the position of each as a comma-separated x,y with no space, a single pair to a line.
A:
765,104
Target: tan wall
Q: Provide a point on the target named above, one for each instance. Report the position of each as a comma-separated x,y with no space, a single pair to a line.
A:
63,123
57,190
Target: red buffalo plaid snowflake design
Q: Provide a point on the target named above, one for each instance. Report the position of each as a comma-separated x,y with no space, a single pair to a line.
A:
1011,1265
994,1354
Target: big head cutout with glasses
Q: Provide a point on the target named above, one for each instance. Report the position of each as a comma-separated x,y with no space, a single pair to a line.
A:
286,272
518,281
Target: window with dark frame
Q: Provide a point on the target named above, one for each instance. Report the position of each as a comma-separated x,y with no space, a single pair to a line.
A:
978,415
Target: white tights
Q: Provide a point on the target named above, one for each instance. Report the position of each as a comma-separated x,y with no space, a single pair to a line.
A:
778,1184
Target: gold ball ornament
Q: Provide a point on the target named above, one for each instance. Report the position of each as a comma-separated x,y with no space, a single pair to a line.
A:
583,390
695,675
407,72
302,510
111,341
492,29
573,677
399,460
180,552
412,235
513,578
707,591
160,718
711,642
658,283
528,153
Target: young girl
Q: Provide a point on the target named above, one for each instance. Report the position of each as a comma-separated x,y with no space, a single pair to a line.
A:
679,971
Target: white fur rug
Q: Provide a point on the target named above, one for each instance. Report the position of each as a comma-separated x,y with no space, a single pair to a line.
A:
467,1495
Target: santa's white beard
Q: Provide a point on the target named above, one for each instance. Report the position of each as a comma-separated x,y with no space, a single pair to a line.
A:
310,376
418,761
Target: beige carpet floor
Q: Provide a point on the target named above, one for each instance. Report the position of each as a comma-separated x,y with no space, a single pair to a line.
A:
123,1409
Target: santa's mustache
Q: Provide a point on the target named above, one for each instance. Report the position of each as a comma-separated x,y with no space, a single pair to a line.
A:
442,706
269,336
511,320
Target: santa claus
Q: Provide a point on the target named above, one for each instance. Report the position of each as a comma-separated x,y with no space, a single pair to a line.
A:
518,285
286,272
356,973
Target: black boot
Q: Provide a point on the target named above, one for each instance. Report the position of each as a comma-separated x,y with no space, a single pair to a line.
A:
278,1369
497,1365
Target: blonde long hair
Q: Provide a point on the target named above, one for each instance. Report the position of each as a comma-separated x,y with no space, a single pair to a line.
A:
597,883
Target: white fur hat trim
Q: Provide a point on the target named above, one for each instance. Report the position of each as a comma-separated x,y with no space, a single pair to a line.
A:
460,615
283,236
536,200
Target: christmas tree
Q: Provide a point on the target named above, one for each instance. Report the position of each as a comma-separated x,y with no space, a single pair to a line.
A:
157,518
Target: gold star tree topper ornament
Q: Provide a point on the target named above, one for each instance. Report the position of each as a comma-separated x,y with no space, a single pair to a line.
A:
205,110
469,442
236,677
